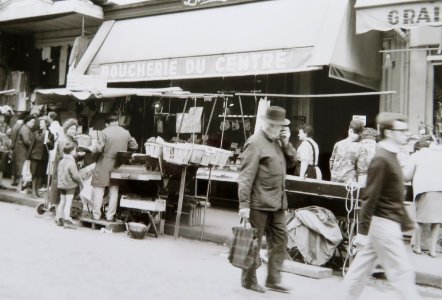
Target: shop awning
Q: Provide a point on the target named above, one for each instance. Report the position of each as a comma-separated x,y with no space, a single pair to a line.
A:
61,94
263,37
24,16
385,15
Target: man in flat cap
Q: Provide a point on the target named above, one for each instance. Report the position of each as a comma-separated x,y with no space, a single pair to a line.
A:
383,217
262,199
112,140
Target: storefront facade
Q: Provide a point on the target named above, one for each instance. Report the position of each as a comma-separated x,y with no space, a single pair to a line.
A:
271,46
411,63
39,40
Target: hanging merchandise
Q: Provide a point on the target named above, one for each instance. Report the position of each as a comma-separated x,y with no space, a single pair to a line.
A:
225,125
246,124
235,125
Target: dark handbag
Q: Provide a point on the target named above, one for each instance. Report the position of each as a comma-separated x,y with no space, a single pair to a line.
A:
244,252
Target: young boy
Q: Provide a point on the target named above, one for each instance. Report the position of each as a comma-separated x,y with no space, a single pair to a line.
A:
68,180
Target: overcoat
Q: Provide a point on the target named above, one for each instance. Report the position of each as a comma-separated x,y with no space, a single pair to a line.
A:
25,138
112,140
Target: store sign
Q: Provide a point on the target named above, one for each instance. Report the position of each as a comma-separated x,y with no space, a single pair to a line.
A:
398,15
200,2
360,118
235,64
80,82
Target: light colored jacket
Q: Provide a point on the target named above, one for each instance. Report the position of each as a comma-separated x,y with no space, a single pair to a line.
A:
425,166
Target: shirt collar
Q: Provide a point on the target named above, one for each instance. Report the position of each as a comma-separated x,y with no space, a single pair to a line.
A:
266,135
68,156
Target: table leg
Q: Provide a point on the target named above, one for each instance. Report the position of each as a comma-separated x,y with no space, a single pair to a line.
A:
152,222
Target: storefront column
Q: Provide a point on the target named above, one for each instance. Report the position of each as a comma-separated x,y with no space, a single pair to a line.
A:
420,90
395,74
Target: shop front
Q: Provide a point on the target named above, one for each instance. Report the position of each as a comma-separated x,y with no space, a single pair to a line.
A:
306,58
411,57
277,47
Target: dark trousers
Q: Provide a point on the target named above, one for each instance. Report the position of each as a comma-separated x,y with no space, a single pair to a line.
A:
273,224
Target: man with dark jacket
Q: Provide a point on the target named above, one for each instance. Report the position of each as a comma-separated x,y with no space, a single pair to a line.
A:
383,217
261,191
112,140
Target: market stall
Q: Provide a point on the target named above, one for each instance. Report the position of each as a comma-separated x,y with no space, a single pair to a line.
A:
145,176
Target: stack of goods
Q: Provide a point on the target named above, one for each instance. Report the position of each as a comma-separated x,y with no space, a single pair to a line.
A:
186,153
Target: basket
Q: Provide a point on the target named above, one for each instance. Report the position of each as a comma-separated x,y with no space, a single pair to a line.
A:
201,155
153,149
221,156
178,154
84,140
137,230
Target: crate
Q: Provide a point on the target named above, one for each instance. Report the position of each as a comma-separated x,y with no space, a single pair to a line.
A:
221,156
153,149
143,204
202,155
178,154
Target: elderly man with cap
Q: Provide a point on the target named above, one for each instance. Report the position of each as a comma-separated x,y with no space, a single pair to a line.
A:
112,140
383,217
262,199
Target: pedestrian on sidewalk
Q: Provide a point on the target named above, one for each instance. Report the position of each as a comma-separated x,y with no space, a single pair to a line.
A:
425,170
383,217
23,145
113,139
68,181
261,192
69,131
43,142
5,146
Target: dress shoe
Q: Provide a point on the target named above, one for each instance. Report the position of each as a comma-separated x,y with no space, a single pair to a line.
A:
256,288
277,288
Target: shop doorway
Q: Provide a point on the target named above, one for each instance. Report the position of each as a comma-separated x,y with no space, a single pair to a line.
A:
331,117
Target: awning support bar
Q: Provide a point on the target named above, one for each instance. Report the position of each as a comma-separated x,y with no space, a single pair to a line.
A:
317,95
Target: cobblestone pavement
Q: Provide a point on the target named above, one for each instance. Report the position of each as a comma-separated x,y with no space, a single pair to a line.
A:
41,261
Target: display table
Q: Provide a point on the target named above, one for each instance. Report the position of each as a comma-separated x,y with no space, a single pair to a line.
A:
300,192
135,172
140,204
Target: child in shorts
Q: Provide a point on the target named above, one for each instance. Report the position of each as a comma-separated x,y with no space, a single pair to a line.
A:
68,181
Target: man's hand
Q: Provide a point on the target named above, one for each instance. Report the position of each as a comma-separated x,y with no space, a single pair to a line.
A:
285,135
244,213
360,240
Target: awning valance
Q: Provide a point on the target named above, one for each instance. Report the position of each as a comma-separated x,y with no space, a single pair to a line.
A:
46,96
263,37
385,15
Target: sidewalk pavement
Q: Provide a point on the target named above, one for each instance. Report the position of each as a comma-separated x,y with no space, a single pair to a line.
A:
218,229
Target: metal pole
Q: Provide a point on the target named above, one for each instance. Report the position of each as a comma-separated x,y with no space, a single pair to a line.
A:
242,118
180,202
205,203
181,121
224,122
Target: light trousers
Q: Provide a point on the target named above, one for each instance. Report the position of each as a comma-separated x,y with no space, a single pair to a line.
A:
384,246
98,193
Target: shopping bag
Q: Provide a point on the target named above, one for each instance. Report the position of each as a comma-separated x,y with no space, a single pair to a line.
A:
26,171
86,191
244,252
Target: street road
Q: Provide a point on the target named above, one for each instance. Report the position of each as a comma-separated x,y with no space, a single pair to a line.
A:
41,261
